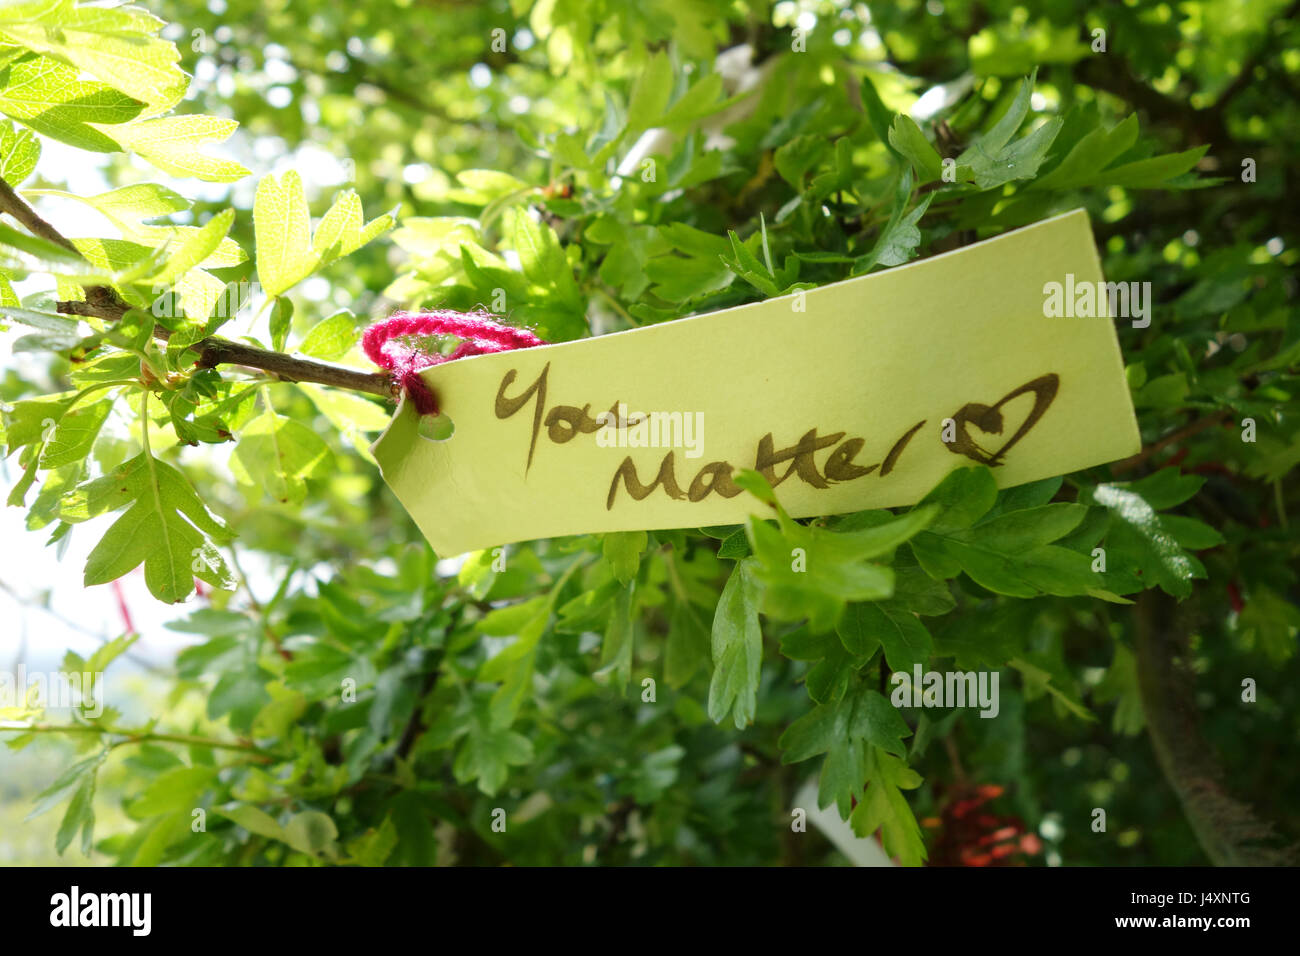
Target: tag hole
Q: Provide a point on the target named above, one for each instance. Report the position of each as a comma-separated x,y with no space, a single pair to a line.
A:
438,427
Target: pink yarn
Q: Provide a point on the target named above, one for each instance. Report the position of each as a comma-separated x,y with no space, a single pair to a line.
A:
478,332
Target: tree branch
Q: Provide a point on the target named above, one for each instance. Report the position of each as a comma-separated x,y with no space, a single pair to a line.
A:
13,204
105,303
1207,124
1230,831
215,351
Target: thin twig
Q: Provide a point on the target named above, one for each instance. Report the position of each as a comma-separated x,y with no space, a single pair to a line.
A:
104,302
1187,431
189,740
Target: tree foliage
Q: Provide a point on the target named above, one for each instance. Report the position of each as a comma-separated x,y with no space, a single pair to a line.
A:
585,168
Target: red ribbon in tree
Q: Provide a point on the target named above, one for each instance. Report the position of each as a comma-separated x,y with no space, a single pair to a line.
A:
478,331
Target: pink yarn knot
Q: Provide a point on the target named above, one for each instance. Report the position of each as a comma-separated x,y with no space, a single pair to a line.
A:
478,331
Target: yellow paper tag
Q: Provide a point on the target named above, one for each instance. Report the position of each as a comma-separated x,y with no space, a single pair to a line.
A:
856,395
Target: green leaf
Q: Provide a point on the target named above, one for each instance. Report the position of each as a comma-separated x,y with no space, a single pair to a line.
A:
704,98
905,639
1154,172
195,248
1142,548
862,717
908,140
348,412
1039,680
688,644
255,821
343,229
279,716
616,649
622,549
49,97
119,45
746,265
51,257
513,666
878,115
1121,685
650,93
279,454
963,497
19,151
312,832
331,338
737,645
487,755
66,783
1271,621
809,571
1026,528
280,322
180,788
1020,160
282,225
541,257
374,847
1091,154
995,159
172,144
80,815
795,157
884,807
166,528
75,434
1009,122
901,235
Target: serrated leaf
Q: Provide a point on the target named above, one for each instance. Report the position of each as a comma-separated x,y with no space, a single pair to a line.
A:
75,434
166,528
279,454
194,248
488,753
1139,543
331,338
282,226
119,45
908,140
884,808
737,649
19,151
343,230
48,96
622,549
901,235
541,257
286,250
172,143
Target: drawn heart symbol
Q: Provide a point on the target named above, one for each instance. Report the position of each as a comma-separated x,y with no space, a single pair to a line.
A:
988,418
